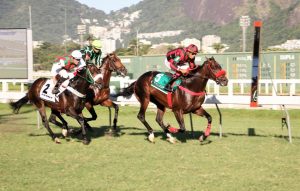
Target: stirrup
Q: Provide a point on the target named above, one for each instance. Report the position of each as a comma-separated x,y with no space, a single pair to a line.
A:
55,90
168,88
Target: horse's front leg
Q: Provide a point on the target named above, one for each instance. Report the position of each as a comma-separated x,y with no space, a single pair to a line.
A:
201,112
91,109
179,117
109,103
159,119
79,117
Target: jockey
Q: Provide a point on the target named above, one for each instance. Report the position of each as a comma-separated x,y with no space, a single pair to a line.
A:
180,60
92,54
67,68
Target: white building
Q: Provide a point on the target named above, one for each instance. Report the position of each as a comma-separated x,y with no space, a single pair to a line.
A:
189,41
289,45
108,46
208,41
159,34
97,31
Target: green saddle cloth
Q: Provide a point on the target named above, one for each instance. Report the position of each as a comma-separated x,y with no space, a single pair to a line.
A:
161,80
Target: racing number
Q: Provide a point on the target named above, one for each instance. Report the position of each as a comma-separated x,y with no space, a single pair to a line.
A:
47,87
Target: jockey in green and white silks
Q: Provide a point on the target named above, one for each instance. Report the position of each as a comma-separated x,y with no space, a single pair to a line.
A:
66,67
92,54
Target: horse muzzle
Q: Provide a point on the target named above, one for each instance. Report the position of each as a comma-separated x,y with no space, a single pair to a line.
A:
221,78
122,72
222,81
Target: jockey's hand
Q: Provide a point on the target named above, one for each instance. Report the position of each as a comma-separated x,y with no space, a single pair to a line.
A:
184,71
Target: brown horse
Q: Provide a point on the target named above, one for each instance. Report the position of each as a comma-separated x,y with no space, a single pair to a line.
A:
187,99
70,102
95,96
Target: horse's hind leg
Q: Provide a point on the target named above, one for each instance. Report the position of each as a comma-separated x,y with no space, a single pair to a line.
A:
141,116
202,112
64,126
42,112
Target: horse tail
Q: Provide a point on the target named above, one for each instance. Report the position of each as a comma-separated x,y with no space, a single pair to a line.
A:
18,104
126,92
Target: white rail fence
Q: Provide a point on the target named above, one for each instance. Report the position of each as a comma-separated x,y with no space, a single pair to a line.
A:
271,92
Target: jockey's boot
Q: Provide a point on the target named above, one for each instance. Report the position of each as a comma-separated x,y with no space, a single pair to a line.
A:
58,84
168,87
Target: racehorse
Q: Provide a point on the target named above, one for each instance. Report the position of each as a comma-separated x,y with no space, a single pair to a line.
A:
188,98
71,101
95,96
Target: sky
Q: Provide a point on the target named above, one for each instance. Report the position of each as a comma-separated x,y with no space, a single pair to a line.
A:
109,5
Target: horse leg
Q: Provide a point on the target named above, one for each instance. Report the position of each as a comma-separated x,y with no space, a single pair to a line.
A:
52,119
42,112
141,116
109,103
202,112
79,117
91,109
65,128
180,120
159,119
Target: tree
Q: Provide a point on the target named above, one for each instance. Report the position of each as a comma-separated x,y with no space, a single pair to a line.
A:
218,47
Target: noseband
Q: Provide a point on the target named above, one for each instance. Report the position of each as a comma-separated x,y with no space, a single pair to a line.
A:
217,74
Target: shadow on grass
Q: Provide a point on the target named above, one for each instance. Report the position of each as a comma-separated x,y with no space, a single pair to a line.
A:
189,135
76,133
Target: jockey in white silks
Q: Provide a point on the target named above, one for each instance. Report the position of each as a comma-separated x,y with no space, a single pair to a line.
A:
66,67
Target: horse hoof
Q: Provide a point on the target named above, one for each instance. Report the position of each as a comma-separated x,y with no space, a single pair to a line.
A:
202,138
151,138
170,138
86,141
57,141
64,132
112,133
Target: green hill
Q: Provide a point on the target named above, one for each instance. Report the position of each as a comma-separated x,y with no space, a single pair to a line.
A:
281,19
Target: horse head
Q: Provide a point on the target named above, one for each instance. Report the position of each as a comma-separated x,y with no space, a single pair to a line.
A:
214,71
113,63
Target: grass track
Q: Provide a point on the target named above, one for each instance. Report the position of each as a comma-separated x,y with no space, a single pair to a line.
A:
29,160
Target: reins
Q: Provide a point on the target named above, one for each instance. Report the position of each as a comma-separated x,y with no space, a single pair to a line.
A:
89,77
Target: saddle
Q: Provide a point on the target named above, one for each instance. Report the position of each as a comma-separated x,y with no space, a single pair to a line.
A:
161,80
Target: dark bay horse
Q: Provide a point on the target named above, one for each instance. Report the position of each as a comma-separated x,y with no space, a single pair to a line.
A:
95,96
69,103
187,99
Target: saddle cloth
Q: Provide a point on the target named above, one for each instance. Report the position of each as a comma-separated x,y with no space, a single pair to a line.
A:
161,80
46,92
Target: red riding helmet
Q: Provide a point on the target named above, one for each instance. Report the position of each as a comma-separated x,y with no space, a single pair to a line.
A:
192,48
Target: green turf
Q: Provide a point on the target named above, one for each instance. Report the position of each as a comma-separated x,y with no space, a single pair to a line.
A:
29,160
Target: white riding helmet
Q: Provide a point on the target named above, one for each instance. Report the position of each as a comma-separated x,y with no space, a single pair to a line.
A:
76,54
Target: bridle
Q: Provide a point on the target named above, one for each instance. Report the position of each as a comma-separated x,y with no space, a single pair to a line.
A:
216,74
111,63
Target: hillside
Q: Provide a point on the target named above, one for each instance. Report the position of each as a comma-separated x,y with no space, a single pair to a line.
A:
48,17
281,19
